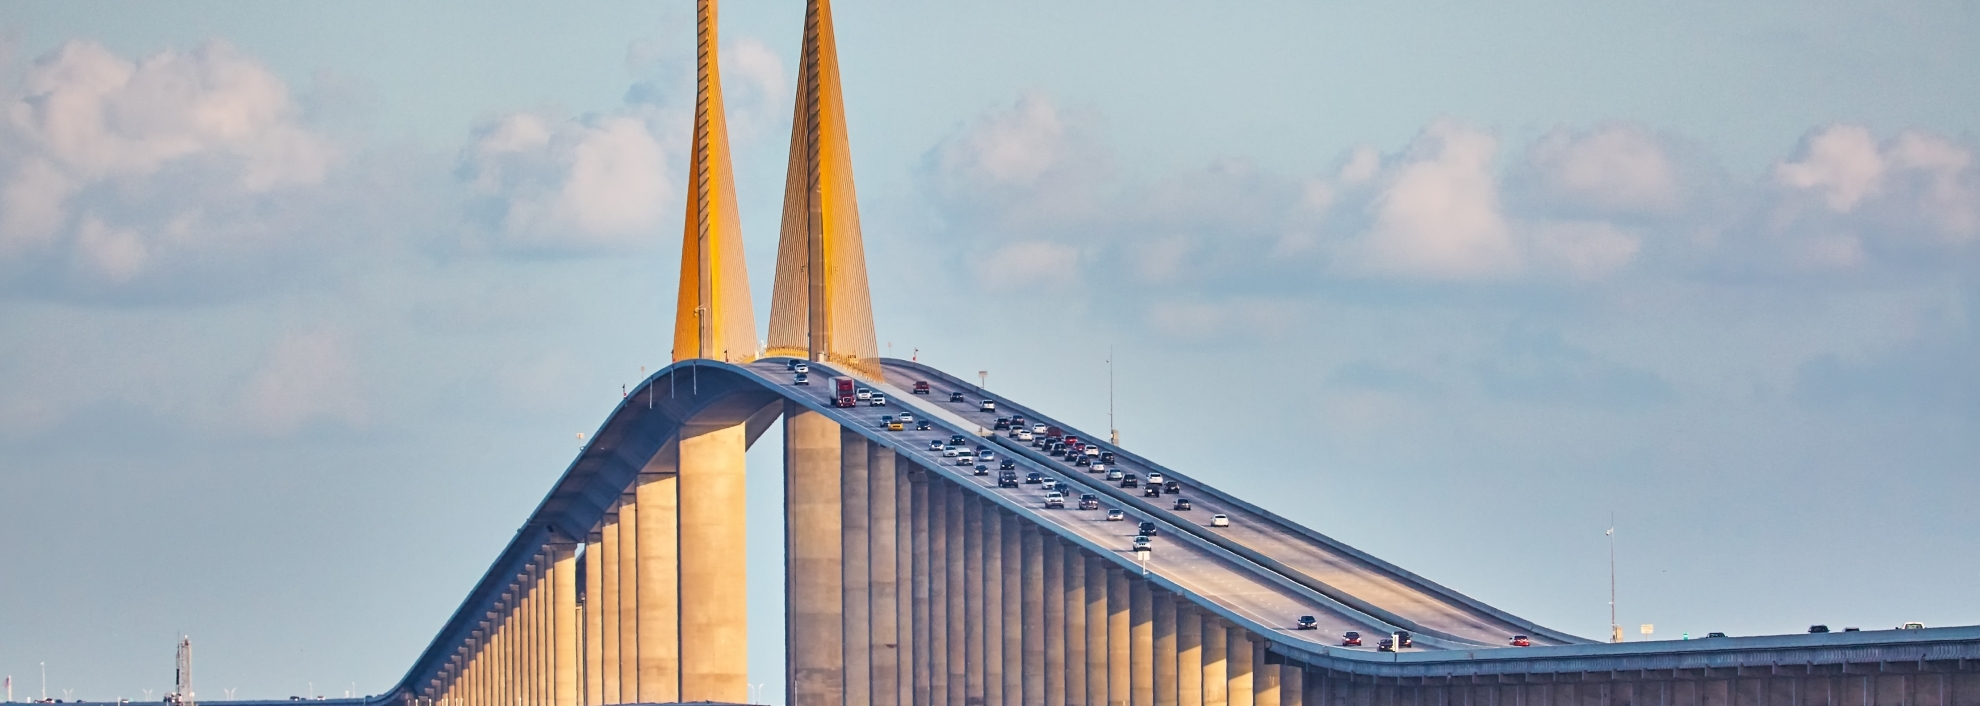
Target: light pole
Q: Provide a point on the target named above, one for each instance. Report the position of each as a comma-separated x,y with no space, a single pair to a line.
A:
1615,629
983,379
1113,433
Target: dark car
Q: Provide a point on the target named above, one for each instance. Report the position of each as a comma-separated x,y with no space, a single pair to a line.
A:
1007,465
1007,480
957,439
1350,639
1171,487
1034,478
1130,480
982,470
1818,628
1715,634
922,425
1080,461
1181,504
1386,645
1153,491
1522,641
1147,529
1403,640
1106,457
921,387
1002,423
1088,502
955,397
1306,622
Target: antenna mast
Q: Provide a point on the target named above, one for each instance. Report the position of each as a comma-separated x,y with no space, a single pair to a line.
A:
183,696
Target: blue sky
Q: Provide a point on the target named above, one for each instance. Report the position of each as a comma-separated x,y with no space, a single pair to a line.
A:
302,305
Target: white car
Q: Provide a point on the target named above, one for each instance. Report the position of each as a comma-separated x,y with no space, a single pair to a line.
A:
987,406
1037,428
951,451
965,458
986,456
1097,468
864,394
800,367
1055,500
1220,520
1155,479
907,417
876,400
1024,435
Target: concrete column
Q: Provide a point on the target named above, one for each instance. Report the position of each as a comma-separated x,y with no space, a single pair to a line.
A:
939,640
883,648
1242,663
1075,635
857,569
1216,663
1098,678
1141,643
594,689
714,609
924,540
1054,610
503,669
1165,648
904,544
657,495
1292,685
608,665
1012,575
993,605
1033,607
629,598
813,595
958,638
1189,654
1265,678
1120,675
564,621
974,625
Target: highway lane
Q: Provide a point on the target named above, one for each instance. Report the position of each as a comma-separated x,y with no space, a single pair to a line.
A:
1381,587
1208,573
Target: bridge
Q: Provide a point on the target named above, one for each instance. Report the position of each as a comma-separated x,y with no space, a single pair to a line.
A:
912,578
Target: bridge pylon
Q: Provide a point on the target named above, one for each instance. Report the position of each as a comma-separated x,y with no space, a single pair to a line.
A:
713,318
821,308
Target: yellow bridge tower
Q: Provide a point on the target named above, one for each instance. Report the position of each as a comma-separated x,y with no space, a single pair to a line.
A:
714,319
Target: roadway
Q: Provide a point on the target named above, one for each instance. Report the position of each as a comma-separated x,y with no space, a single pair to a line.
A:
1372,587
1197,567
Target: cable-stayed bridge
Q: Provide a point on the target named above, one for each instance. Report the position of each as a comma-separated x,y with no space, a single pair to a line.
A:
911,579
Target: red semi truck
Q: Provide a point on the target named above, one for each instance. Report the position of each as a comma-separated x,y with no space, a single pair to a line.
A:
844,392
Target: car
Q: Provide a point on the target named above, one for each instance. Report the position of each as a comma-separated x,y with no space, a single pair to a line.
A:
986,406
921,425
863,393
1116,515
1172,487
1023,435
1088,502
1156,478
1181,504
955,397
1912,626
1096,468
1091,451
1852,629
1130,481
981,470
1144,544
1403,640
921,387
1350,639
1006,465
1220,520
1522,641
1306,622
965,458
877,400
907,416
791,365
1715,634
895,425
1007,480
1818,628
935,444
1153,491
1114,474
957,439
1106,457
950,451
801,379
1385,645
1147,529
1002,423
1079,461
799,366
1055,500
1034,478
1038,428
1057,450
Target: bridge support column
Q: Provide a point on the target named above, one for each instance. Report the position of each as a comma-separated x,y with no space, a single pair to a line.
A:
1120,646
1266,678
814,597
883,646
1032,604
923,536
857,567
628,598
975,624
1189,655
1240,657
1055,601
657,497
939,640
1075,635
594,600
1141,643
714,609
905,542
958,638
1292,685
608,615
1216,665
563,618
993,604
1098,678
1012,574
1164,645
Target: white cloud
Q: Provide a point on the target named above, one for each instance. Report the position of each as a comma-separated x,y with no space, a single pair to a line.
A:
595,183
1437,215
1012,147
303,378
1842,162
1617,169
1915,183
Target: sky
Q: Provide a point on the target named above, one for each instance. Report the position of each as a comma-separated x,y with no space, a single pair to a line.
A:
302,305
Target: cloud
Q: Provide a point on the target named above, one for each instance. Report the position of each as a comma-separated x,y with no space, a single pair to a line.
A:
1615,169
1437,216
304,378
1917,189
543,183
